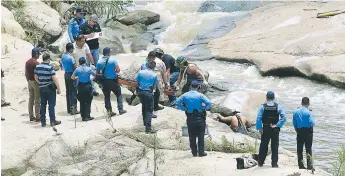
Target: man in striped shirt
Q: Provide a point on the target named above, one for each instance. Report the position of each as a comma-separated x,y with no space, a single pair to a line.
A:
48,83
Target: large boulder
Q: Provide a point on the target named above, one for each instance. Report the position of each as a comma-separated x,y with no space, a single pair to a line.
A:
289,41
140,16
43,18
142,42
126,32
110,39
9,25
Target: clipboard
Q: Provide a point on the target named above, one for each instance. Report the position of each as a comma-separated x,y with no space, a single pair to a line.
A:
97,35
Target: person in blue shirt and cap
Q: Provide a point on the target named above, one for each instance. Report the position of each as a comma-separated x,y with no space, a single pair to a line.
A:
148,82
74,23
109,69
269,124
83,74
194,104
303,122
69,66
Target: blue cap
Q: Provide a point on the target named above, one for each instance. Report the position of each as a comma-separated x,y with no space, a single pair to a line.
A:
35,51
79,10
106,50
195,84
270,95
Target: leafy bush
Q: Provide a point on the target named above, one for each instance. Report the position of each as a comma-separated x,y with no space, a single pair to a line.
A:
339,166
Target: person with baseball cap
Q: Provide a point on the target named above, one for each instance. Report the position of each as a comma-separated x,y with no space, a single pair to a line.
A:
83,73
89,29
107,70
194,104
69,65
268,123
74,24
34,90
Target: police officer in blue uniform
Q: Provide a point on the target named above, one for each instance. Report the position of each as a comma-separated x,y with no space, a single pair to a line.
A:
148,82
69,66
74,23
83,73
303,122
194,104
109,68
269,124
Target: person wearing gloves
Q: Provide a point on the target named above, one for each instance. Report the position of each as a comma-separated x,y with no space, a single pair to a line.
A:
268,123
192,73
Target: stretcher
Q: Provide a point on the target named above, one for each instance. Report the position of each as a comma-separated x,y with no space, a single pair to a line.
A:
135,84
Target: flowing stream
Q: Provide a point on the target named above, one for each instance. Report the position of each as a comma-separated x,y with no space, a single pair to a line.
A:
194,22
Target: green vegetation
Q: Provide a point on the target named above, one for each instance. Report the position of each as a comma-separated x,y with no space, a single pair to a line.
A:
339,166
103,8
227,147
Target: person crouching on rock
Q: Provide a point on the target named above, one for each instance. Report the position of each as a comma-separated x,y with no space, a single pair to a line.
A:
148,82
269,124
192,73
83,73
194,103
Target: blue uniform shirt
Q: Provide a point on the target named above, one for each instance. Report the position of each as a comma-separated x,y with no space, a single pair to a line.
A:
67,62
261,112
110,72
147,79
73,27
83,73
193,100
302,118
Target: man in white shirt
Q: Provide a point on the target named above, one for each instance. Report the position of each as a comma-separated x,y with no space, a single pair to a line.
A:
81,49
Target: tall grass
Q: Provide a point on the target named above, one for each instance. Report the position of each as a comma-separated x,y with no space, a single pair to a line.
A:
339,165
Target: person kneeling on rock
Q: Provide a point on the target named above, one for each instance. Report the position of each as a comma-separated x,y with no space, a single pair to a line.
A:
83,73
148,82
194,103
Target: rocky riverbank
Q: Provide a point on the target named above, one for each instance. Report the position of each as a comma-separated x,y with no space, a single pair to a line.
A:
286,39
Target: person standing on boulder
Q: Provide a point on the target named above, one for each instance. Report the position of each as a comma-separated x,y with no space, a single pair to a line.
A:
83,74
171,71
303,122
109,68
89,29
160,71
148,82
268,123
34,90
194,104
69,66
74,24
48,83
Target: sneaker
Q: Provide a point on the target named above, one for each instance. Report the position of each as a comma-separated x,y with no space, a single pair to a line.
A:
2,119
275,166
122,111
302,167
89,118
111,114
154,116
75,113
32,119
310,168
202,154
159,108
195,155
55,123
43,124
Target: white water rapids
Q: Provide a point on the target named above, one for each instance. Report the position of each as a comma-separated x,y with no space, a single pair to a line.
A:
182,23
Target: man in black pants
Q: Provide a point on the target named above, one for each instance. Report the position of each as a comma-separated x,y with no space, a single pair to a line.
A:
148,82
109,67
193,103
83,73
269,124
303,122
69,66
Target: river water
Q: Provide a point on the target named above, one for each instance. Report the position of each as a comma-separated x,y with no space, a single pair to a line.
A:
193,22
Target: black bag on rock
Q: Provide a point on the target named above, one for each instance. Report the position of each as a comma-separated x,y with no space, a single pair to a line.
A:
99,79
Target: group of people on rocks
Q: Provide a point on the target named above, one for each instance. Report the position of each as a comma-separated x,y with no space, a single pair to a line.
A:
82,67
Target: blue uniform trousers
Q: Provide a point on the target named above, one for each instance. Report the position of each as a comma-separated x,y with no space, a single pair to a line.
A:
196,129
146,99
